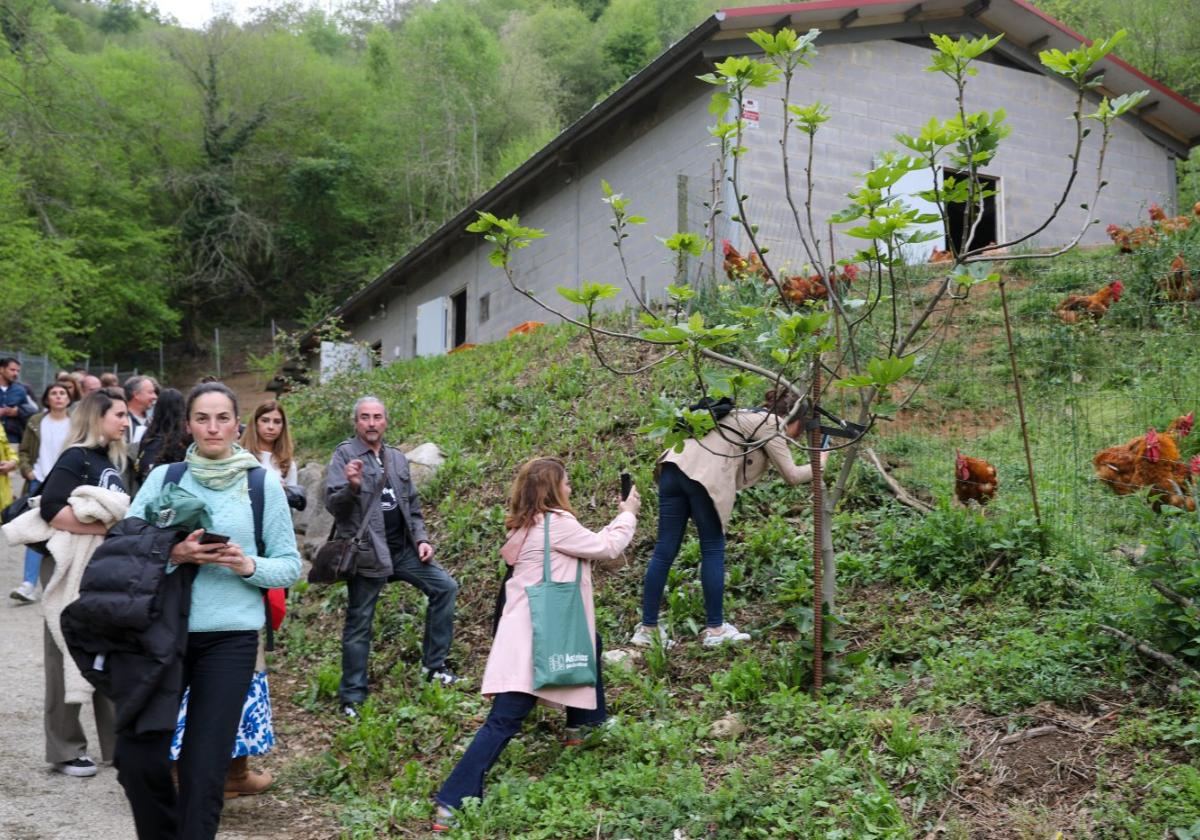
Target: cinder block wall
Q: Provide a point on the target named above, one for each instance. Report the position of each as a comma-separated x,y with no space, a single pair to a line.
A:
874,89
877,89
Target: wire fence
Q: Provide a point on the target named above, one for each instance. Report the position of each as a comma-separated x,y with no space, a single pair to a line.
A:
226,352
1089,386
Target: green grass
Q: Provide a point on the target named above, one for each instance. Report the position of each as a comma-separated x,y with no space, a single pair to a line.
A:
928,643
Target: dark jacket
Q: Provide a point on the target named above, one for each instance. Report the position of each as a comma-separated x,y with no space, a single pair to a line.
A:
348,507
128,629
17,395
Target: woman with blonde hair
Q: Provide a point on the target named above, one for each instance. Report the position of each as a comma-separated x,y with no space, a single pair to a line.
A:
542,490
94,454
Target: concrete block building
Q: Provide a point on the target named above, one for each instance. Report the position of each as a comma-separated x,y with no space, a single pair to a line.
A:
650,140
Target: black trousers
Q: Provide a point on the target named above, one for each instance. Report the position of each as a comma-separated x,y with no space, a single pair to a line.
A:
218,668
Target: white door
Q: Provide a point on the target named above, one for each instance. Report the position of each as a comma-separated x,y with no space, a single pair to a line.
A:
431,327
912,183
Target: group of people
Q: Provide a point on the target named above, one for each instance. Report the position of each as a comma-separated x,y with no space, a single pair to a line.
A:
234,547
366,479
73,452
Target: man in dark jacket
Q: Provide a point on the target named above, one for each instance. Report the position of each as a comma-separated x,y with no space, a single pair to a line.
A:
357,485
15,405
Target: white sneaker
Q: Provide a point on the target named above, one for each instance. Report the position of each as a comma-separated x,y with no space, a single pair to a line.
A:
643,636
82,766
26,593
725,634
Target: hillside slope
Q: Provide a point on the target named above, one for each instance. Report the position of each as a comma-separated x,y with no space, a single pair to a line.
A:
943,670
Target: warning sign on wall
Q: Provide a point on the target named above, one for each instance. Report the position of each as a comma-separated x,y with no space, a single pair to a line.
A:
750,112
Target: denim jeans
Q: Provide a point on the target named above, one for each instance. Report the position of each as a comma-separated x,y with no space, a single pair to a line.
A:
679,499
508,712
33,560
217,670
431,579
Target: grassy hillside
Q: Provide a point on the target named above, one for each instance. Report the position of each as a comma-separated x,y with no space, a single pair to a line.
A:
942,669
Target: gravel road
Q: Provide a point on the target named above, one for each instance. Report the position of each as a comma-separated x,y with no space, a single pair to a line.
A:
37,803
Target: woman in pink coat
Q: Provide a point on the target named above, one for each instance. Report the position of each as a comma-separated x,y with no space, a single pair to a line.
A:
541,487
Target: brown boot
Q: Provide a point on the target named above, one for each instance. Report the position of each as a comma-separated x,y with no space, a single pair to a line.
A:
242,781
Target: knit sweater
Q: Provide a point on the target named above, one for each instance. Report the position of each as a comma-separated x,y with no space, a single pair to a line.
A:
221,598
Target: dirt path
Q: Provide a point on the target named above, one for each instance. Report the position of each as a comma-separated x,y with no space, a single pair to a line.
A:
39,804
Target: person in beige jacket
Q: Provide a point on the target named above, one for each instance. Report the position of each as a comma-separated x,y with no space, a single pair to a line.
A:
700,483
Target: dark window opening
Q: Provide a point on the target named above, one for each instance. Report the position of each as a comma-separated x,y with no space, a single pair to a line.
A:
377,353
485,305
414,346
458,305
987,231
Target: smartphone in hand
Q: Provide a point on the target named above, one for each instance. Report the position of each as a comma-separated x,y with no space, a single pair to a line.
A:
626,485
209,538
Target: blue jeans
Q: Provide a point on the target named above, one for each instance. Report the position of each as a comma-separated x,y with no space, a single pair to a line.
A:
509,711
679,499
364,592
33,560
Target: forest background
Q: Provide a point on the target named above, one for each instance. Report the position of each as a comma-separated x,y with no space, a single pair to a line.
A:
151,174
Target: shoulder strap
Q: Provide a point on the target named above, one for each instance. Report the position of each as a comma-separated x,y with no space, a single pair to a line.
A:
255,479
546,548
546,555
175,472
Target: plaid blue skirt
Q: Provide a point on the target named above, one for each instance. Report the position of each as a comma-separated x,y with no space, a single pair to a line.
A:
255,734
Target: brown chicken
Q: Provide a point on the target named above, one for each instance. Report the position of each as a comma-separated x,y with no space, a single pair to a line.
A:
1128,240
738,267
1157,214
974,480
1175,224
1150,461
800,289
1076,308
940,256
1179,284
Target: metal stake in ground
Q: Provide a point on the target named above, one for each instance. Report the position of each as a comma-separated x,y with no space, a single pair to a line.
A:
818,503
1012,358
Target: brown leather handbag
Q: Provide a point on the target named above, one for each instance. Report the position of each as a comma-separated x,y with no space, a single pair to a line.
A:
338,559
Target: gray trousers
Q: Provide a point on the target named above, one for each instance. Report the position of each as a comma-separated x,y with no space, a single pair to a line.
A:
65,739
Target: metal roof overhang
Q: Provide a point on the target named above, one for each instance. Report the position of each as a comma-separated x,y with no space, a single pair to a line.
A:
1172,119
1025,27
656,74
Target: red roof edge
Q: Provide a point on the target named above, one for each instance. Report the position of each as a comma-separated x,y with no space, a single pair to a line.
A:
835,5
1120,62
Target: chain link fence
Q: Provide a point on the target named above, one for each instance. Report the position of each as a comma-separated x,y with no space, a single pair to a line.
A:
1088,386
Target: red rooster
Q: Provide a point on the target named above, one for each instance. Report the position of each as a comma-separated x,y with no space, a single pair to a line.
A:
975,480
1076,308
1150,461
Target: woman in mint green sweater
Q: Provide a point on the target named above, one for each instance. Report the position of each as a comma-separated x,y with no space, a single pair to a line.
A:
223,625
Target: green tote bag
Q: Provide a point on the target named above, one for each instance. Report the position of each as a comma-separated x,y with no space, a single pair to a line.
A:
564,652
